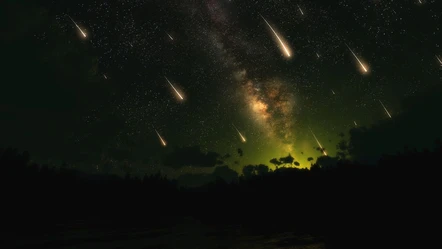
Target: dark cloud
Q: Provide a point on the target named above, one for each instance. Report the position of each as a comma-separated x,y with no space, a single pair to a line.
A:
190,156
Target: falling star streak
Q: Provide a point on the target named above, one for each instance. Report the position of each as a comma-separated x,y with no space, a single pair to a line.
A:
386,111
178,93
84,34
286,51
440,61
161,139
355,123
333,92
318,55
105,77
317,141
302,12
169,36
242,137
363,67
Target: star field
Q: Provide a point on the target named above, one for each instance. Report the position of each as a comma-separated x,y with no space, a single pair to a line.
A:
225,61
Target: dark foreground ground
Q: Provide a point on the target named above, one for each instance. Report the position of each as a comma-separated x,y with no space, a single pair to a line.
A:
187,233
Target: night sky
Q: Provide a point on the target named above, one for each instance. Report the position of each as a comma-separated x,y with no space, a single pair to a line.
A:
104,96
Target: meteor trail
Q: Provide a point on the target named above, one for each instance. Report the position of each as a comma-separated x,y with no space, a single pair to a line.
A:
161,139
179,95
302,13
105,77
84,34
385,108
333,92
242,137
360,63
169,36
317,55
355,123
319,144
440,61
279,39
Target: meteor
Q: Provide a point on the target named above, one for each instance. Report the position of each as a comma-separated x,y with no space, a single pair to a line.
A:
178,93
131,44
286,51
440,61
363,67
355,123
242,137
333,92
317,55
169,36
319,144
302,13
161,139
386,111
105,77
84,34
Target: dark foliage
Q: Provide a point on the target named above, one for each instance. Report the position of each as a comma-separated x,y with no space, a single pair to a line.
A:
371,206
191,156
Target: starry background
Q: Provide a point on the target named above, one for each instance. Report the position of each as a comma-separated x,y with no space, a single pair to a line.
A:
84,100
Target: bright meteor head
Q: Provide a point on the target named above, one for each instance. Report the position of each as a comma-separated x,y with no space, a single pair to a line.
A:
79,29
319,144
363,67
163,142
243,139
284,47
176,91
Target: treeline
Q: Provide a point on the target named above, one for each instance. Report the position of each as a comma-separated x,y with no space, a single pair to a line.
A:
395,197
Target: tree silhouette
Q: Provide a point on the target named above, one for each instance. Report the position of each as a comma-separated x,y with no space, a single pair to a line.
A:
287,160
254,170
226,173
248,171
240,152
297,164
262,169
275,162
310,159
